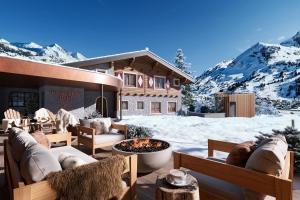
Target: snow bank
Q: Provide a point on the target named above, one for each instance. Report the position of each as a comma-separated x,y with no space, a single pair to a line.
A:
190,134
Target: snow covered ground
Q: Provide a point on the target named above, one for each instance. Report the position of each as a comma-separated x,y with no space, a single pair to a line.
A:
190,134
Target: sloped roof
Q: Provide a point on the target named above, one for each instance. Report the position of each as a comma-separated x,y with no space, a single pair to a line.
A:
127,55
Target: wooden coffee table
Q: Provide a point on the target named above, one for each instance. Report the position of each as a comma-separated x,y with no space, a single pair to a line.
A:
166,191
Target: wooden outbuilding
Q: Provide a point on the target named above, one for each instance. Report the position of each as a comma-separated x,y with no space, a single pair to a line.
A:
236,104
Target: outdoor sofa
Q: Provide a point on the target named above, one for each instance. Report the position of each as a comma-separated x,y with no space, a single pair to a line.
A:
220,181
20,190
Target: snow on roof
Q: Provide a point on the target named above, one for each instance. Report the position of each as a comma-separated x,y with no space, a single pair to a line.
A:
126,55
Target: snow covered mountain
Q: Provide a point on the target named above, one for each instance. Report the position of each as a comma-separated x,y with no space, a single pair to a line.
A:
272,71
52,53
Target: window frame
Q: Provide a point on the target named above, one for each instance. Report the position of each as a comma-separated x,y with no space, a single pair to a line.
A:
127,105
168,107
136,81
165,78
174,80
137,102
24,99
156,113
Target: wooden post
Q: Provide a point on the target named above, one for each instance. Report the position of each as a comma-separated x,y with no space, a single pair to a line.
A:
120,107
102,100
293,123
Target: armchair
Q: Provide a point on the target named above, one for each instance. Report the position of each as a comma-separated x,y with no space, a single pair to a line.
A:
87,137
218,180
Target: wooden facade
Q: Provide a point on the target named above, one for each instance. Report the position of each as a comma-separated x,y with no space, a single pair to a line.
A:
147,78
236,105
146,69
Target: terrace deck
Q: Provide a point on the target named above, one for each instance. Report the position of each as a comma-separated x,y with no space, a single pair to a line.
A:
146,182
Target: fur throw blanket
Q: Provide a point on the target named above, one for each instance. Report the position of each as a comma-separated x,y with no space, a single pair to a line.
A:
42,115
64,119
98,181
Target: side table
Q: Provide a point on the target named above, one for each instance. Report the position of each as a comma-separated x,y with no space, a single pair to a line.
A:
166,191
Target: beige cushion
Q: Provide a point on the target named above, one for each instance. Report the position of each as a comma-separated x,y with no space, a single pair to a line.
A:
71,150
267,158
104,138
70,161
220,188
37,162
41,138
20,140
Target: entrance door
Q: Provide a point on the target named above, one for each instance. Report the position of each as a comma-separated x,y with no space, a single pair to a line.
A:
100,107
232,109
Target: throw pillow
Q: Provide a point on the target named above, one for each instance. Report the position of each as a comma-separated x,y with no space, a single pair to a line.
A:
70,161
267,158
41,138
98,126
20,140
36,163
85,123
240,154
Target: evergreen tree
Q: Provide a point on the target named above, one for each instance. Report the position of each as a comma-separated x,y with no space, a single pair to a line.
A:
180,62
292,136
186,90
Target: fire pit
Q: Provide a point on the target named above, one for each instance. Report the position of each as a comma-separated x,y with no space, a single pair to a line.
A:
152,154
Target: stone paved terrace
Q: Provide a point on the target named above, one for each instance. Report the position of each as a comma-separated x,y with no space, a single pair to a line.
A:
146,183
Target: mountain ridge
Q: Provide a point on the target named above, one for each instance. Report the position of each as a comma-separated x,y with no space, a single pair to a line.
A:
52,53
272,71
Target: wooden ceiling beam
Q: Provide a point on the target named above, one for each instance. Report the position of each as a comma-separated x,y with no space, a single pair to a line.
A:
131,62
154,65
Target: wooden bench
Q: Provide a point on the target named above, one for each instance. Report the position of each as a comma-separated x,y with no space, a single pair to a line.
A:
279,187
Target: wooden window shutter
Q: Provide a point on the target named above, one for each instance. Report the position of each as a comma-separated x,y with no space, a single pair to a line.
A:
119,75
150,82
140,81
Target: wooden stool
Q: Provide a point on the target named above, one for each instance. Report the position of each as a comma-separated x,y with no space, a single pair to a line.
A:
166,191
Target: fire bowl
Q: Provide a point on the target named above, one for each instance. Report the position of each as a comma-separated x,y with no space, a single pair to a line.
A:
152,154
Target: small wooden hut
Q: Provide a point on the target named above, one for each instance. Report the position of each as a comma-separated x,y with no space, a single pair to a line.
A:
236,104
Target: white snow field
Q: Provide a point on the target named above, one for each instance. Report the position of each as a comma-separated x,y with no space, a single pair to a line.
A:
190,134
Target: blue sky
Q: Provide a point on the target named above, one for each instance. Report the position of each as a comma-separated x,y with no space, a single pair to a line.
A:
207,31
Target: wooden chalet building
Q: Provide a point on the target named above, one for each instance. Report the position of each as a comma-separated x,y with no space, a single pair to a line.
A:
151,85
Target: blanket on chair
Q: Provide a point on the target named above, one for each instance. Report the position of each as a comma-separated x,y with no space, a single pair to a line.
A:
63,120
101,180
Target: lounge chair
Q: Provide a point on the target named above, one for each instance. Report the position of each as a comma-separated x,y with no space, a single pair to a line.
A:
87,137
41,190
220,181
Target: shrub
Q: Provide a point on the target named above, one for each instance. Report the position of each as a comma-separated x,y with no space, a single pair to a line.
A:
138,132
93,115
292,136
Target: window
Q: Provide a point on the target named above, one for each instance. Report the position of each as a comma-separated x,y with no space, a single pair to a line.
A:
124,105
176,82
160,82
171,107
155,107
140,105
130,80
23,99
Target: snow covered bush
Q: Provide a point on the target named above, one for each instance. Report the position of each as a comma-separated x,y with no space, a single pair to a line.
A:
292,136
265,108
138,132
93,115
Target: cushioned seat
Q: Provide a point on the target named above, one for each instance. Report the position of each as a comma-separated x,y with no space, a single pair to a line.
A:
221,188
71,150
218,187
104,138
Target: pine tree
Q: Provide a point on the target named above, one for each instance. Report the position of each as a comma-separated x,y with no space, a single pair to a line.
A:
180,62
292,136
186,90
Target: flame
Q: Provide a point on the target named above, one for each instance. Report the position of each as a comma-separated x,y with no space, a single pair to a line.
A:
142,143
